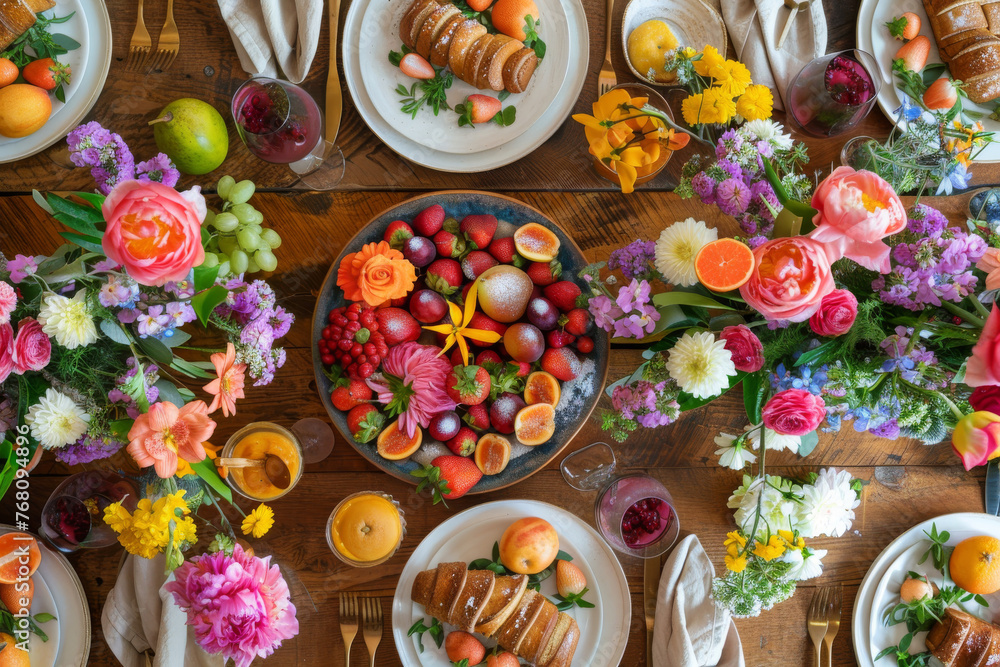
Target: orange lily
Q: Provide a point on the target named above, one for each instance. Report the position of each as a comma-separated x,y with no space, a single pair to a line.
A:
457,333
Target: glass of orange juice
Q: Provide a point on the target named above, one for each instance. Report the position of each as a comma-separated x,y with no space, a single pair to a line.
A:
366,528
255,441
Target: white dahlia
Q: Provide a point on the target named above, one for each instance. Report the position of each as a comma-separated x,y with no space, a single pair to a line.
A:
732,454
68,320
806,563
700,364
55,420
773,440
828,504
677,248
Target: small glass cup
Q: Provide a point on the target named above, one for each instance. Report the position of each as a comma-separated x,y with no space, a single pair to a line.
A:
341,505
835,92
73,516
237,477
648,172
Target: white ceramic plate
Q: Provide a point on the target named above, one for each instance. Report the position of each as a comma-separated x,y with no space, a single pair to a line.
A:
881,584
441,132
533,136
693,23
59,592
470,535
91,27
874,38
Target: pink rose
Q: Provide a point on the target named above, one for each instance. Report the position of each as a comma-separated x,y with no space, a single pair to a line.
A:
794,412
983,367
790,279
836,314
855,211
154,231
986,398
32,347
6,350
8,300
745,347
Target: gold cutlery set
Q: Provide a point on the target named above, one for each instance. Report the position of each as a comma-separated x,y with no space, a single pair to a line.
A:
358,611
141,57
823,619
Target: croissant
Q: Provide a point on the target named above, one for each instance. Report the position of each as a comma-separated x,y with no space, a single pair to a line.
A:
962,640
967,37
521,620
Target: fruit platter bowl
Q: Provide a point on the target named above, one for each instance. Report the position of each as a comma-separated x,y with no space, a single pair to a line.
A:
483,367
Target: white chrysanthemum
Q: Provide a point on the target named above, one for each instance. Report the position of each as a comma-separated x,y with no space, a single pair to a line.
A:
68,320
776,507
827,505
768,130
732,455
677,248
806,563
55,420
775,441
700,364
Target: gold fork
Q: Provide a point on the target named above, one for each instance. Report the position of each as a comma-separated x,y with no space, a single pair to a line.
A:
607,80
816,621
348,622
169,43
372,612
833,607
138,48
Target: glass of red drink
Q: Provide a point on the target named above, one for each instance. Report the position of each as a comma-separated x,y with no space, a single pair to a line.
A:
834,93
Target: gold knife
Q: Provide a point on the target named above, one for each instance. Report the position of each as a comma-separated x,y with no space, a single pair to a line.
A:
334,95
650,589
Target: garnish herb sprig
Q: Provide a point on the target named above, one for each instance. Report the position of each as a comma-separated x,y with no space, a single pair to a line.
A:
41,42
435,629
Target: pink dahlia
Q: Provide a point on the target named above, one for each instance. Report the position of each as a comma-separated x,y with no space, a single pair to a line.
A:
412,384
238,605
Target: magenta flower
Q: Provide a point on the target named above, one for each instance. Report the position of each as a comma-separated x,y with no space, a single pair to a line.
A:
412,384
23,266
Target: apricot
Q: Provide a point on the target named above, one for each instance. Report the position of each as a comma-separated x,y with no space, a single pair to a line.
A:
542,387
535,424
492,454
394,444
536,242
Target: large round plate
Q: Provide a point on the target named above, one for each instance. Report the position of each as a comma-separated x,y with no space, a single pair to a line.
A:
59,592
574,407
534,135
91,27
874,38
470,535
884,576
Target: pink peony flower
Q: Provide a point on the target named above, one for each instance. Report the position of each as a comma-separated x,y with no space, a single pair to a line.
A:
159,436
412,384
983,367
790,279
794,412
976,438
836,314
154,231
8,300
856,210
986,398
989,264
6,351
239,605
745,347
32,347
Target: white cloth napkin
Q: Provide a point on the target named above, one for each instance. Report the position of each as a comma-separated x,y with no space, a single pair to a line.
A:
273,34
754,27
139,615
689,629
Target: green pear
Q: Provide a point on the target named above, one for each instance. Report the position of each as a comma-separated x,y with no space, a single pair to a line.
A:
192,134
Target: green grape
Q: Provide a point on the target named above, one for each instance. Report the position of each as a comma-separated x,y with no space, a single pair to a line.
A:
227,244
209,218
257,217
248,239
241,192
238,261
211,259
244,213
212,245
265,260
252,266
226,222
256,229
225,186
224,268
223,259
271,238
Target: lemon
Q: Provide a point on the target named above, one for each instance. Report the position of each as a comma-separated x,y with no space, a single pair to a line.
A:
648,46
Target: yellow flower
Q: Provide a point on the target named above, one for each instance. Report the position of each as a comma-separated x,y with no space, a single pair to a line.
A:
773,549
710,106
736,563
608,107
793,540
756,103
146,531
258,521
734,543
688,52
459,329
732,78
710,57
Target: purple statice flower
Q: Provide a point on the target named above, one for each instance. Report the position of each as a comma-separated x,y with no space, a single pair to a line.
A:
153,321
257,298
703,185
634,260
105,152
23,266
650,405
730,142
604,310
888,429
731,169
158,169
259,334
88,448
118,292
926,221
281,321
732,196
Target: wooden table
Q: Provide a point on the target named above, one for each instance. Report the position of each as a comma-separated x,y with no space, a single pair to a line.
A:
908,482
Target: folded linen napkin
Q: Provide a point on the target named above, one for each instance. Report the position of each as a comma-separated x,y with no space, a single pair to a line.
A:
140,616
274,34
689,629
754,27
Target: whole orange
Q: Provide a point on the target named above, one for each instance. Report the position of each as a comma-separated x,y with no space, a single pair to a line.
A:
11,655
975,564
508,16
8,72
23,109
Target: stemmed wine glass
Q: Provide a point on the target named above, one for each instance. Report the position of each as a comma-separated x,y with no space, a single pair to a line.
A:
281,123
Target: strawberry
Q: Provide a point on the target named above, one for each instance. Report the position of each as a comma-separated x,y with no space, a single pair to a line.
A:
416,66
942,94
476,262
448,477
350,395
444,276
456,356
558,338
478,417
397,233
468,385
429,221
46,73
505,252
479,229
12,596
477,109
561,362
448,244
397,325
579,321
364,422
463,444
463,646
504,410
569,579
585,344
904,27
544,274
523,368
505,659
481,321
488,356
914,53
563,295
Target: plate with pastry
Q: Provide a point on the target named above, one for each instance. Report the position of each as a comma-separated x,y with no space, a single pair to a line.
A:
513,576
32,118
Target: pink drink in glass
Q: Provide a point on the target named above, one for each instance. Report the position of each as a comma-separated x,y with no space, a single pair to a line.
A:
635,515
834,93
278,121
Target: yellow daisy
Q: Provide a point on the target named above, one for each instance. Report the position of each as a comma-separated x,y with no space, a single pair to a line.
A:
773,549
258,521
756,103
732,78
710,57
736,563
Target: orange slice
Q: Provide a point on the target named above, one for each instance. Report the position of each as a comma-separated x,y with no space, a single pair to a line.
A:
15,547
724,265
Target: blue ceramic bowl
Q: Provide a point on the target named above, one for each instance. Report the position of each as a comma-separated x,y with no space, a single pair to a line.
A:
578,398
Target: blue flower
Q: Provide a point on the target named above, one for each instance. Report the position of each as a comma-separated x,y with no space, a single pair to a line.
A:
956,179
907,110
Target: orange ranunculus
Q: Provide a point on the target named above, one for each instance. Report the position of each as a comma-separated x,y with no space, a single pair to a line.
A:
376,274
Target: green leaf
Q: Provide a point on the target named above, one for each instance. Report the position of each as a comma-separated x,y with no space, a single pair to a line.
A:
78,217
178,338
65,41
205,302
808,443
814,354
156,350
169,392
9,466
689,402
189,369
115,332
44,618
679,298
120,428
755,390
207,471
92,198
204,277
90,243
40,200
